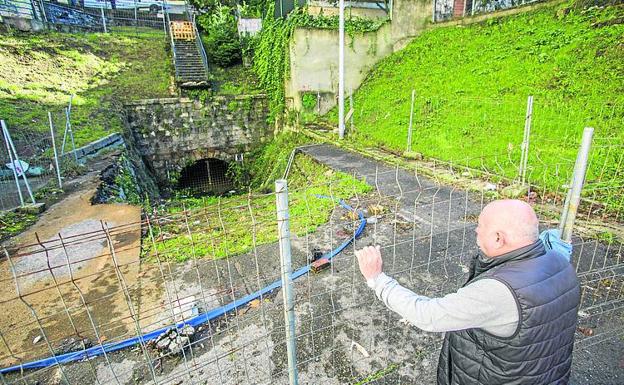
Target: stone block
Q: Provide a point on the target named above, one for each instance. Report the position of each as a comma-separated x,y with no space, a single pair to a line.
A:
33,208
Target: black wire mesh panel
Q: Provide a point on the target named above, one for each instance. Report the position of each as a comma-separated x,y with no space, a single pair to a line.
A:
206,176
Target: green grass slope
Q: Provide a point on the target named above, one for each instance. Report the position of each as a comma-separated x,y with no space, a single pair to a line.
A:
38,72
472,84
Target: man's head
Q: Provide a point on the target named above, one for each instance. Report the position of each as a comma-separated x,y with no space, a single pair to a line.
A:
506,225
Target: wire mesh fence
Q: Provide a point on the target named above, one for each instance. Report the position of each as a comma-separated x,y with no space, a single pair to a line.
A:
34,162
525,142
192,293
105,16
449,9
20,8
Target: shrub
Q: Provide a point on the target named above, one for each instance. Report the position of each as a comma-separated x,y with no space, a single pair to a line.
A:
222,43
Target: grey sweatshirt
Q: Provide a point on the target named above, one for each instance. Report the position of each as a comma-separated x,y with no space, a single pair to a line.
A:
486,303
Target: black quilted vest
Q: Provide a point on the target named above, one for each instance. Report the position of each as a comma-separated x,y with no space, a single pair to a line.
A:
546,290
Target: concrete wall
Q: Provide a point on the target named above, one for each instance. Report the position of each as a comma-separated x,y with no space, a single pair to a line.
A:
172,133
314,62
367,10
314,53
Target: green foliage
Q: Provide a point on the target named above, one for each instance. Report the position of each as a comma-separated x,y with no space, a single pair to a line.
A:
378,375
222,43
270,161
102,70
48,191
126,183
472,84
12,223
227,226
271,59
309,101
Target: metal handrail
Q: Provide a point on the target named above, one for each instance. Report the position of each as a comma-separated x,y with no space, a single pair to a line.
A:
173,50
200,46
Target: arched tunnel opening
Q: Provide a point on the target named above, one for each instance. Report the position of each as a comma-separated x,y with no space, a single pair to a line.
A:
206,176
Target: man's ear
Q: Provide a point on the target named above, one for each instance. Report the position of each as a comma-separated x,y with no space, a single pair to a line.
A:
500,239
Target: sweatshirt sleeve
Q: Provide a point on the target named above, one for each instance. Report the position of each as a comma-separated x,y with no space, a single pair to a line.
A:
487,304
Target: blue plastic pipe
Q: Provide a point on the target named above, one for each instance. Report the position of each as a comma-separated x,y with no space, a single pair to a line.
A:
195,321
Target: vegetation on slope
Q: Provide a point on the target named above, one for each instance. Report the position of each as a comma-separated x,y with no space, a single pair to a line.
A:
220,227
472,82
39,71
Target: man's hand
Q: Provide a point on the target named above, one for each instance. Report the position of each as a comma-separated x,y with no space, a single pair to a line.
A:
369,259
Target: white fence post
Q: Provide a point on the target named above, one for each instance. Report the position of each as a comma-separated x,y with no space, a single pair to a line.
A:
56,161
283,231
574,194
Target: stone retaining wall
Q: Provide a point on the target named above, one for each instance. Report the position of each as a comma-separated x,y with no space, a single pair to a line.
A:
175,132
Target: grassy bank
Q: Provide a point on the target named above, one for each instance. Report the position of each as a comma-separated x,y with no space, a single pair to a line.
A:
220,227
471,85
40,71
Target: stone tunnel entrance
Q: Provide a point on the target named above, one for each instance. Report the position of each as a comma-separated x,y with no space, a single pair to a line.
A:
206,176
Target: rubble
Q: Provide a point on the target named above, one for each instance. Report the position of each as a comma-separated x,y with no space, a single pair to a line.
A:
174,340
72,344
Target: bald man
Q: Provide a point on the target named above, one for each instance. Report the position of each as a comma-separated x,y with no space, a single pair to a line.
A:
513,322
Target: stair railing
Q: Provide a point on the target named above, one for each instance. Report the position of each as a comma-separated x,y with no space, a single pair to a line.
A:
200,46
173,49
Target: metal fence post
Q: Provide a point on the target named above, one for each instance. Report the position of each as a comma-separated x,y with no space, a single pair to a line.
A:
341,70
574,194
56,162
409,130
8,147
103,19
164,16
352,110
525,141
43,12
15,160
283,230
136,19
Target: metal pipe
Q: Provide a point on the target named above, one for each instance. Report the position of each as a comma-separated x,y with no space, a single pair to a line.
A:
341,73
43,12
409,130
527,139
17,160
283,230
71,132
573,198
103,19
351,109
6,142
56,162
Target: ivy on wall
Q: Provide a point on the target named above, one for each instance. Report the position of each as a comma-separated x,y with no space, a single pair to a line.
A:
271,59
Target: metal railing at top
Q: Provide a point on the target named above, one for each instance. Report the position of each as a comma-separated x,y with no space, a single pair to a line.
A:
200,45
97,15
448,9
27,9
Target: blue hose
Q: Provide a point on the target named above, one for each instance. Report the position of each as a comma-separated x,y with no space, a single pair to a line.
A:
195,321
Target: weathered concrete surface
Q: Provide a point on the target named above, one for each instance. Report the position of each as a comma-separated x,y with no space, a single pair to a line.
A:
45,281
173,133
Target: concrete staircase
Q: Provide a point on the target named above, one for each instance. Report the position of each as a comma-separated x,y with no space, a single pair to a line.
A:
191,66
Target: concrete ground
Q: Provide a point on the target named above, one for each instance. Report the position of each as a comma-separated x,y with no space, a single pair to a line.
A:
344,335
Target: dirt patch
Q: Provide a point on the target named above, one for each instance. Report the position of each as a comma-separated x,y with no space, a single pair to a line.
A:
70,281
